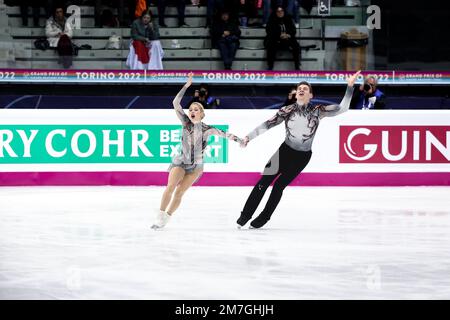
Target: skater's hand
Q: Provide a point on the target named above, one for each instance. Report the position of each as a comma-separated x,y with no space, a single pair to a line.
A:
190,80
351,80
245,142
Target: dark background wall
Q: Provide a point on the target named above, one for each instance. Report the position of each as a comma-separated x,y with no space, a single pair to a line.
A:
414,35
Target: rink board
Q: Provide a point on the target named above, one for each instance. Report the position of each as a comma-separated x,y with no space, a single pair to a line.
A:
357,148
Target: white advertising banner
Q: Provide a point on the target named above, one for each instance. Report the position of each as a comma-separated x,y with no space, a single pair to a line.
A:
358,141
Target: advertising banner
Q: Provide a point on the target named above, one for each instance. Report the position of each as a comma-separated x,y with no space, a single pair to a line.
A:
135,147
214,77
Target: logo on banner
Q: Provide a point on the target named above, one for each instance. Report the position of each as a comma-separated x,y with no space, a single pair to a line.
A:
33,144
394,144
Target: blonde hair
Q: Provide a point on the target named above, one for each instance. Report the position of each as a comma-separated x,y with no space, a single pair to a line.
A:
200,106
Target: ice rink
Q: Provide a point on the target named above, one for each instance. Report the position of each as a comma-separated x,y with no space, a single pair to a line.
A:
322,243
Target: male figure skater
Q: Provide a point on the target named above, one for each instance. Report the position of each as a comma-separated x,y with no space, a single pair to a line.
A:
301,120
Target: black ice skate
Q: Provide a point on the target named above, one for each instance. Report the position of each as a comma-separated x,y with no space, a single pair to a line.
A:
259,221
243,219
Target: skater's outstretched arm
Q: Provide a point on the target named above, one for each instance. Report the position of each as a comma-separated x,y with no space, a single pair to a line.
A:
177,101
278,118
336,109
215,131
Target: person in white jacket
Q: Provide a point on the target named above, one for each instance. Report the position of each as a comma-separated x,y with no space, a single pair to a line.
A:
59,34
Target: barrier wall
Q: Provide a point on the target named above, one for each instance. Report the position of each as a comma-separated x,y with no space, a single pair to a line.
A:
133,147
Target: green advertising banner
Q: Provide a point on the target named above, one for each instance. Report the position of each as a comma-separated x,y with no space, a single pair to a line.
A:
34,144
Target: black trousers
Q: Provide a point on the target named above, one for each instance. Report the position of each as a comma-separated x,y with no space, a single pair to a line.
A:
35,4
284,166
228,48
65,51
181,7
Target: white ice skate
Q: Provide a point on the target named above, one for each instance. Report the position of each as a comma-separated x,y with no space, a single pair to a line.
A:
161,220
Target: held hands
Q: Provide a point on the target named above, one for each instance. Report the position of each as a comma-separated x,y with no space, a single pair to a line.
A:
245,142
190,80
351,80
241,142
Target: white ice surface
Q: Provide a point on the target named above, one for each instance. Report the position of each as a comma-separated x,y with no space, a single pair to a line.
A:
327,243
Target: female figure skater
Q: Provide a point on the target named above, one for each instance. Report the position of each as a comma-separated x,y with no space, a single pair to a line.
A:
187,167
301,120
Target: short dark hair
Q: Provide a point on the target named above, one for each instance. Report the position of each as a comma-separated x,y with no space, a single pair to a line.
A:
306,83
147,12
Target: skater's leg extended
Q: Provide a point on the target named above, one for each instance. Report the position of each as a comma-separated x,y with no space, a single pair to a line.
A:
254,199
271,171
176,174
275,196
187,181
289,172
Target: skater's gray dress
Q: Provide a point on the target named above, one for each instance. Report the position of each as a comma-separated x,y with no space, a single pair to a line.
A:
194,139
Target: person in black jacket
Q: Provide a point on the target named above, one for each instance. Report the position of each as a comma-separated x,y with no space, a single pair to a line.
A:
281,35
225,36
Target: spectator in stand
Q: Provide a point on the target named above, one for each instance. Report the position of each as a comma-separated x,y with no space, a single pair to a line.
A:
281,35
181,7
202,96
291,7
225,36
368,96
36,7
145,49
59,35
